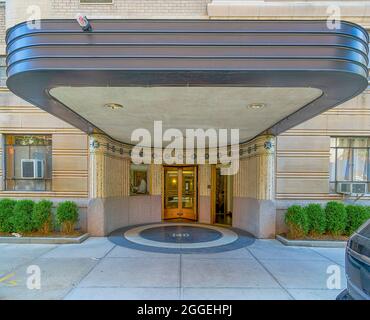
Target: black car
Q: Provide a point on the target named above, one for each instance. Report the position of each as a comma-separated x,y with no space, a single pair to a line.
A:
358,265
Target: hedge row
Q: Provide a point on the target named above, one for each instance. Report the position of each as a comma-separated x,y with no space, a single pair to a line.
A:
24,216
335,218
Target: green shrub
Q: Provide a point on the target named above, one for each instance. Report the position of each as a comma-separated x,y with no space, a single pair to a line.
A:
297,221
356,216
336,217
316,218
67,215
22,216
6,213
42,216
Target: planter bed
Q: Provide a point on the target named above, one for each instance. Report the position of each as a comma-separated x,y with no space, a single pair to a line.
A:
323,241
51,238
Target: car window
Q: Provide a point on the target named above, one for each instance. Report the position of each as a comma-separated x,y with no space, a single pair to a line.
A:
365,229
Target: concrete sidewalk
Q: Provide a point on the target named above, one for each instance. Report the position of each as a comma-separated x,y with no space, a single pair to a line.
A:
98,269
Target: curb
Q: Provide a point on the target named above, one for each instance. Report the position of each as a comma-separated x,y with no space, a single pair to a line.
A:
312,243
44,240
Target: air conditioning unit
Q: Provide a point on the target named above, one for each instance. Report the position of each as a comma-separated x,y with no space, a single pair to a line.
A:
344,187
352,187
32,169
359,188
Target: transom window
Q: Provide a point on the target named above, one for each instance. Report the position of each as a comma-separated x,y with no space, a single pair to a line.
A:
96,1
28,162
349,161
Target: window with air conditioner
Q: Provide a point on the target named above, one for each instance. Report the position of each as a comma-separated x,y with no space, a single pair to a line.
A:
350,165
32,169
28,162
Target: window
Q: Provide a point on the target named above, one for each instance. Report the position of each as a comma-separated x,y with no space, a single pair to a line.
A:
138,179
28,162
349,161
96,1
3,76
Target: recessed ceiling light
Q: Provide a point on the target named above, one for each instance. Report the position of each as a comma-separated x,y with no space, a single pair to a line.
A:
113,106
256,106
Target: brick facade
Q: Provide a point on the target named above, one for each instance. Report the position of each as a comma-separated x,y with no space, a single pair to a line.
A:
18,11
2,28
130,8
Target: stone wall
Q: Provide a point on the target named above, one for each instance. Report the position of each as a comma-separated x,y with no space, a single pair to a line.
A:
69,152
303,155
110,205
2,29
254,206
347,10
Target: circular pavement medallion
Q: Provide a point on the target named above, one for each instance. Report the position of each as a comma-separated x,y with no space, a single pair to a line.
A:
181,238
180,234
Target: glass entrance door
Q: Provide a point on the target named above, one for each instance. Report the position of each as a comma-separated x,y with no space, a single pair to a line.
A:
180,191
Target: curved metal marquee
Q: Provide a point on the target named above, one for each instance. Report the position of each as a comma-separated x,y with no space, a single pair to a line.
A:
188,53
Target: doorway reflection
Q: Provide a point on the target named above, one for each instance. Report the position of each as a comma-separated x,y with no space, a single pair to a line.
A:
223,198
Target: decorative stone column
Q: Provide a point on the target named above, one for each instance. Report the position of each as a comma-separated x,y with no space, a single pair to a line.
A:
96,167
266,168
109,171
254,188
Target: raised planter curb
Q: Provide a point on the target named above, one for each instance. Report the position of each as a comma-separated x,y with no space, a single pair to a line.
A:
44,240
312,243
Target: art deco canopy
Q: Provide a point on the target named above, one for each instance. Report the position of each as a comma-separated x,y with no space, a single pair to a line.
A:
301,68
